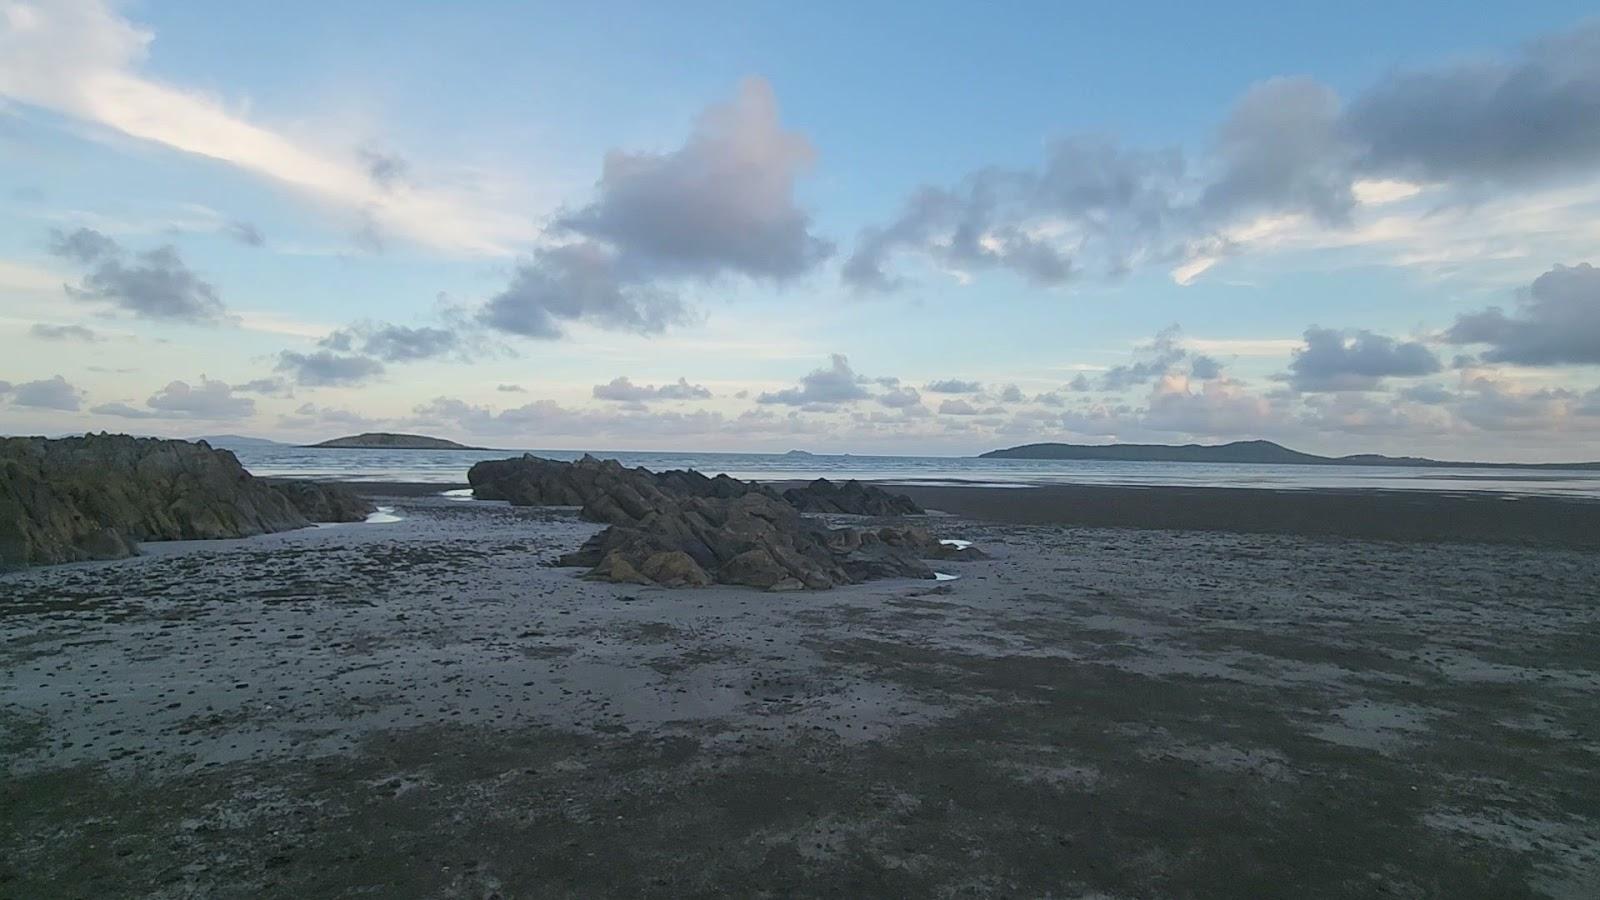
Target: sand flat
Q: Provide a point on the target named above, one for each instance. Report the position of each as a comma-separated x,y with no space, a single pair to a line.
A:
423,708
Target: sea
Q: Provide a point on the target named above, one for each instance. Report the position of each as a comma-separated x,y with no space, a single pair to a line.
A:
449,467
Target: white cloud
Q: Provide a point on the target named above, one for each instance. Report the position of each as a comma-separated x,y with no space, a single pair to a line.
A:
79,58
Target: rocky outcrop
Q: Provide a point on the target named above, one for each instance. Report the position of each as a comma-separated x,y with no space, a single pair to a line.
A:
850,498
97,496
534,481
530,480
682,529
320,502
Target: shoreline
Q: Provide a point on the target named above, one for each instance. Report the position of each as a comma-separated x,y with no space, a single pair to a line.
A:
1360,513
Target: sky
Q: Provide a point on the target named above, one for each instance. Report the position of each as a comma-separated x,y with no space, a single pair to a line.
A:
932,228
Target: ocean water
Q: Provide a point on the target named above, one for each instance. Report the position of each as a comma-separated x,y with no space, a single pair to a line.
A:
449,467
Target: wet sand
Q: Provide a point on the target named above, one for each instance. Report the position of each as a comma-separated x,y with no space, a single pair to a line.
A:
425,709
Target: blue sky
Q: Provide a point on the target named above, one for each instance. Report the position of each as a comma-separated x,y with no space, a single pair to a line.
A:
1345,227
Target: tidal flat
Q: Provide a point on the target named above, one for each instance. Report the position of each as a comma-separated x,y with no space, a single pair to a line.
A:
427,708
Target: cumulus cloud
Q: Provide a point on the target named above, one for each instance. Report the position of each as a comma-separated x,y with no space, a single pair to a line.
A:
210,399
838,383
327,369
958,407
1220,408
48,393
722,204
83,245
154,284
1527,117
1334,360
1278,150
511,389
1395,415
547,417
310,416
1290,150
1011,394
1164,355
394,343
1204,367
48,332
952,386
579,283
1089,197
900,398
1557,321
264,386
1430,394
123,410
1492,402
621,389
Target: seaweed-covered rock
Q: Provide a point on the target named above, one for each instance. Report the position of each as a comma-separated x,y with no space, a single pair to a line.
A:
320,502
850,498
96,496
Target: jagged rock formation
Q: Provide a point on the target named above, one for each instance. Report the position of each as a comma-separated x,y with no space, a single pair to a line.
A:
530,480
682,529
324,502
97,496
850,498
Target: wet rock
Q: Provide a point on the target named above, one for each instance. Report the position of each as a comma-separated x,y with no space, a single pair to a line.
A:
674,568
96,496
530,480
683,529
850,498
325,502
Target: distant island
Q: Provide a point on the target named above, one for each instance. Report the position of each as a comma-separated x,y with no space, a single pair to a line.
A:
230,441
379,440
1258,452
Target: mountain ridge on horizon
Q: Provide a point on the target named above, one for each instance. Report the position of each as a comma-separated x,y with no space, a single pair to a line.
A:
1261,452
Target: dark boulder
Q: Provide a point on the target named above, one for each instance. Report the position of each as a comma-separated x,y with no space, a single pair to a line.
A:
96,496
850,498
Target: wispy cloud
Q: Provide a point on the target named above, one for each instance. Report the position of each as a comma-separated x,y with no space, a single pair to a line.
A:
81,59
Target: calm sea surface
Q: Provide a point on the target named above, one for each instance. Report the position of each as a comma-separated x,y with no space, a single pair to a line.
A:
450,467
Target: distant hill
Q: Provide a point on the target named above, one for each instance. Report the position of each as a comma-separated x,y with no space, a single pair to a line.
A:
1259,452
378,440
230,441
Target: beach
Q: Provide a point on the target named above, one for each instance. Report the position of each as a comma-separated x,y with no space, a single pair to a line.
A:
1184,692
